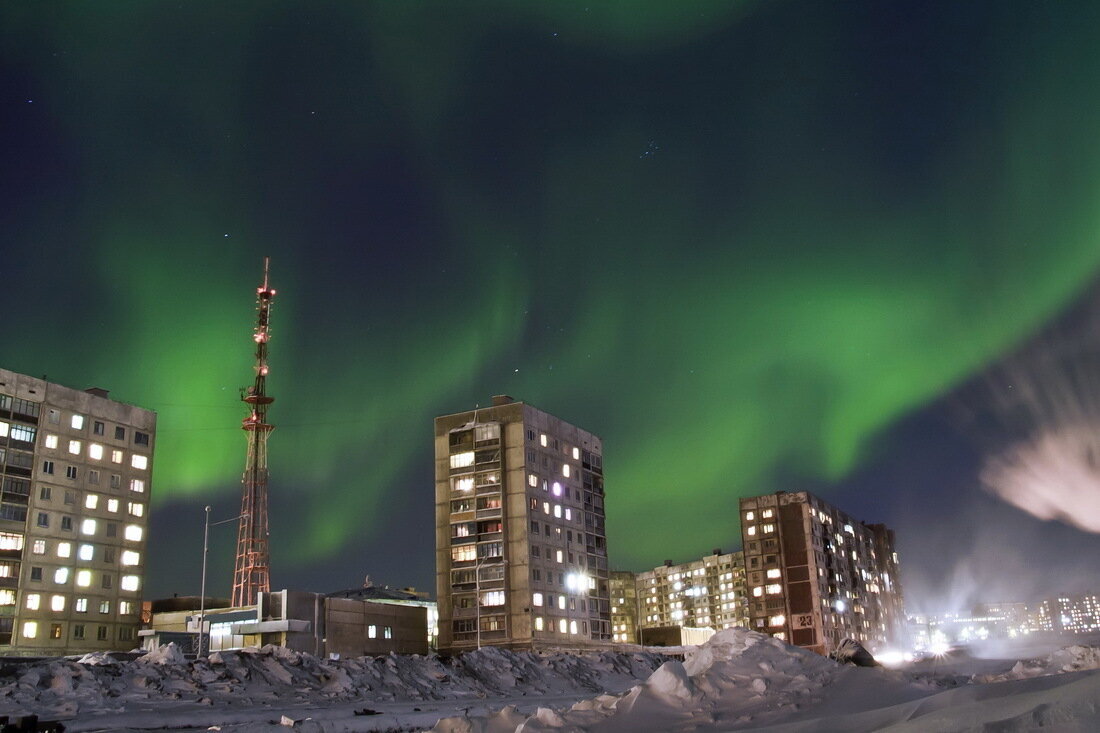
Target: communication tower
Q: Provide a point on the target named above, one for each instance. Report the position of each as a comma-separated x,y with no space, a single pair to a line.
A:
251,574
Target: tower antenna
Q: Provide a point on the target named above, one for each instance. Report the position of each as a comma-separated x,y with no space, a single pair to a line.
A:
252,575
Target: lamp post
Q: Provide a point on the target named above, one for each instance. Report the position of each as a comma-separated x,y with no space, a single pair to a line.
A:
202,592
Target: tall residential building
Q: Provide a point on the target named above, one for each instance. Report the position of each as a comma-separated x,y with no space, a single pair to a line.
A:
816,575
624,607
1078,614
521,550
76,483
706,593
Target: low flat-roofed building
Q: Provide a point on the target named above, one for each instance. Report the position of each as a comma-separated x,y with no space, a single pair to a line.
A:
302,621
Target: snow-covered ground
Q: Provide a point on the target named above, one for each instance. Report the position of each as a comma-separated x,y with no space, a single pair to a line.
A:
739,680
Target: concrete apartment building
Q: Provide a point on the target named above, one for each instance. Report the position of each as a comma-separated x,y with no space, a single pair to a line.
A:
624,607
76,470
521,549
815,575
1075,614
706,593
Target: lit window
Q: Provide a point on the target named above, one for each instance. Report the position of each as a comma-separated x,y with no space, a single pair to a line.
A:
91,501
539,623
749,516
751,530
4,427
767,514
576,454
34,600
112,505
87,526
372,632
536,599
125,608
462,460
39,547
116,456
542,440
30,629
81,605
130,582
137,509
557,489
464,484
78,422
11,541
95,451
139,462
64,549
83,578
572,627
559,556
74,447
562,625
545,507
773,573
565,470
129,557
568,514
767,528
61,576
464,553
532,480
561,602
57,603
137,485
85,552
557,511
51,441
777,620
773,589
492,598
104,606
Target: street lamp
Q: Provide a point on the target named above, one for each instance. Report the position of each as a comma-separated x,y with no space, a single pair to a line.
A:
202,592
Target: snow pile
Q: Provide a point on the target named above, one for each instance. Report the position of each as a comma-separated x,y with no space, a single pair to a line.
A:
61,688
1075,658
737,678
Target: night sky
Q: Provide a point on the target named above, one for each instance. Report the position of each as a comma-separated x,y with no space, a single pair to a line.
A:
753,245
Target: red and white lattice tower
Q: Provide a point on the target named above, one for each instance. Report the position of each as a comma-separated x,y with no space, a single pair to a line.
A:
252,575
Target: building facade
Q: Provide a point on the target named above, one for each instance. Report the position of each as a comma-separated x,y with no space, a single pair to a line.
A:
76,470
521,548
624,607
1075,614
816,575
305,622
705,593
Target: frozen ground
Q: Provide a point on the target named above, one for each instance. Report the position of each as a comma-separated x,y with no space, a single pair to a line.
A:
739,680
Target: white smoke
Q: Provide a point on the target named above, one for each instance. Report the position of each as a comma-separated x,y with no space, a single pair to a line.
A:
1052,476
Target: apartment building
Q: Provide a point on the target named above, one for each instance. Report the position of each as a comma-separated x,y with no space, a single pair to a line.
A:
704,593
521,549
816,575
624,607
76,470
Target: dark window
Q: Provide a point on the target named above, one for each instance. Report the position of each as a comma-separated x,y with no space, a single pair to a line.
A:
107,581
36,574
70,497
116,481
43,519
25,407
70,472
78,631
13,512
141,438
108,554
98,428
67,523
112,529
47,466
126,633
101,633
120,433
93,477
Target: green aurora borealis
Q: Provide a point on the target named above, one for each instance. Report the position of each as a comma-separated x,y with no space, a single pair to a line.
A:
740,241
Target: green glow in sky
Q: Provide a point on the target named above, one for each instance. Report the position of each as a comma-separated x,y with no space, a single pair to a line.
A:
737,240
